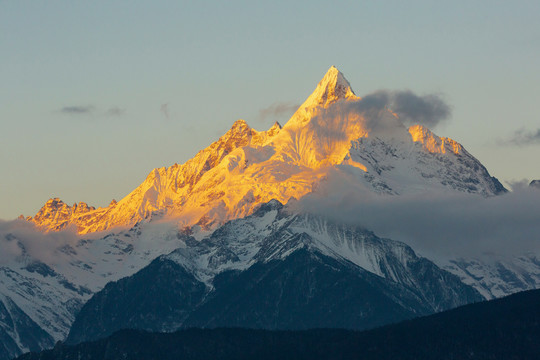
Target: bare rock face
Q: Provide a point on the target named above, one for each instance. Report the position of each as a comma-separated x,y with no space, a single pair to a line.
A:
535,184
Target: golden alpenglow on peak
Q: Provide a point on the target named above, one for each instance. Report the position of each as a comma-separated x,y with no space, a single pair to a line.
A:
332,87
331,133
432,142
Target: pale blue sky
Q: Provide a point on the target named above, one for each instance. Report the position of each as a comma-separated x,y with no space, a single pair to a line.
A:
112,65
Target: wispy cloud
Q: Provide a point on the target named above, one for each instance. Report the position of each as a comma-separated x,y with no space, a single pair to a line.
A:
277,110
522,137
19,238
91,110
164,109
78,110
115,111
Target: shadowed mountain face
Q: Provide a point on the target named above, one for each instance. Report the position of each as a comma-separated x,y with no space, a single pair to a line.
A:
19,332
500,329
275,270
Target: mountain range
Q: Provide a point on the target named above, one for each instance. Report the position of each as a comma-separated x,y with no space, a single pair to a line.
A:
332,130
274,270
222,240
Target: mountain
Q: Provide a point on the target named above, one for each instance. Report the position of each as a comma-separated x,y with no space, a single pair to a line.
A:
53,262
275,270
535,184
332,129
506,328
46,278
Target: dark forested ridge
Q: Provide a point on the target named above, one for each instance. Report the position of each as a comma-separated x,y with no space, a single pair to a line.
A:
306,290
507,328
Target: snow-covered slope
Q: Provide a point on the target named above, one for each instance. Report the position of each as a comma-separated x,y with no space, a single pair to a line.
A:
246,168
272,233
495,275
46,278
419,164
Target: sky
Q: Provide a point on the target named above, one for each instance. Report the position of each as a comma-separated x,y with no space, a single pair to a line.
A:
94,95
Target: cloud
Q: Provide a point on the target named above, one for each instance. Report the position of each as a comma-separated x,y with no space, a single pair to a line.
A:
335,122
115,111
522,138
428,110
277,110
164,109
437,224
78,110
518,185
21,239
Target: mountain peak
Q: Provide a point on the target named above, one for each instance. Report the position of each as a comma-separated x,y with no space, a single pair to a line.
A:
332,87
239,125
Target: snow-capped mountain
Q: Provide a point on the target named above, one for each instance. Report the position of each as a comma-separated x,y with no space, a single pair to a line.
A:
275,270
332,129
49,274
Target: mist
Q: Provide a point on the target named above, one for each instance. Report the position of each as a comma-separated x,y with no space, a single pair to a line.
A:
20,239
278,111
441,224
